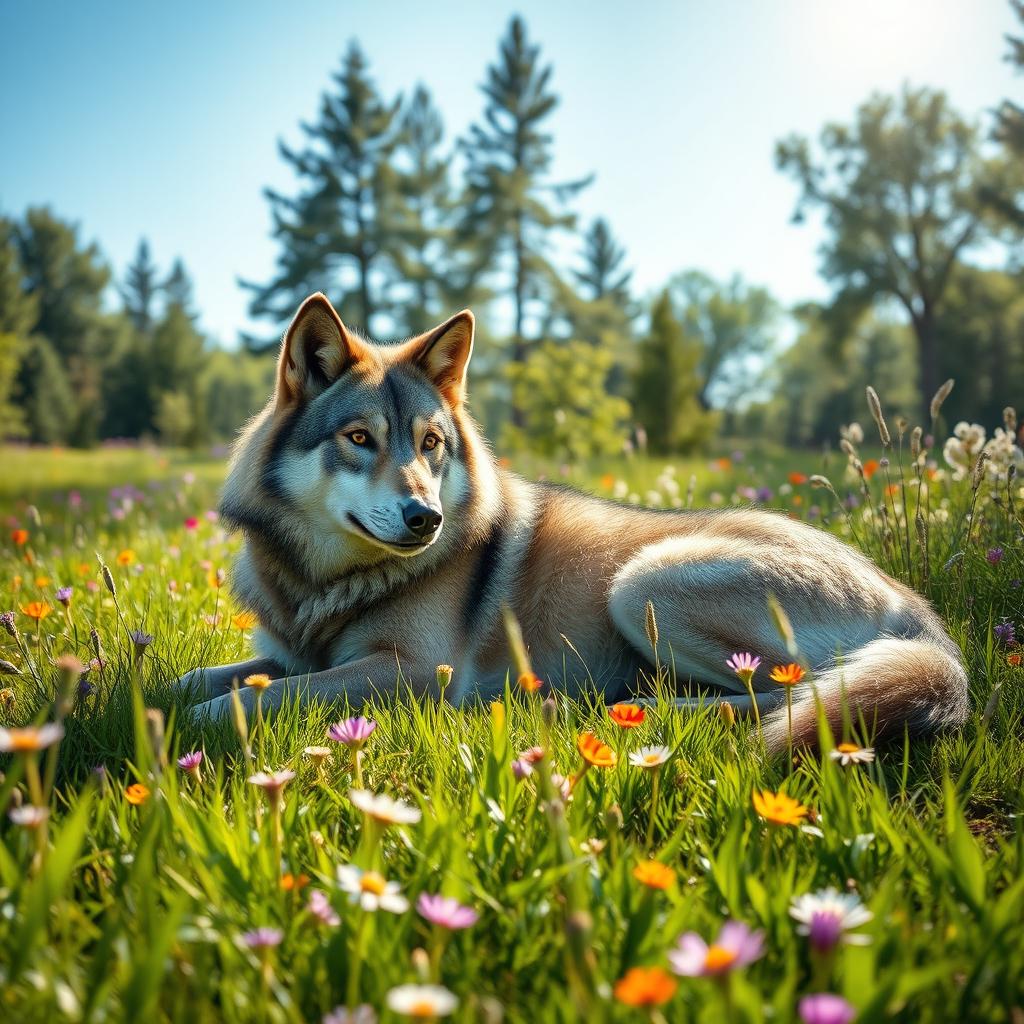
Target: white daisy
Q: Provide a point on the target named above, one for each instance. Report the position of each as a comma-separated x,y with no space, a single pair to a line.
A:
372,891
649,757
28,816
827,916
382,807
850,753
422,1001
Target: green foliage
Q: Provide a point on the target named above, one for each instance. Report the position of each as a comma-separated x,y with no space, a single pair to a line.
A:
126,913
12,417
568,412
45,394
234,386
900,192
140,289
667,385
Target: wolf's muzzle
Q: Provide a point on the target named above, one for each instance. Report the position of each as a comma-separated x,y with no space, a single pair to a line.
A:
421,520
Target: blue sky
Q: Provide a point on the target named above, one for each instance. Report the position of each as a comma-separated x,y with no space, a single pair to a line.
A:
163,119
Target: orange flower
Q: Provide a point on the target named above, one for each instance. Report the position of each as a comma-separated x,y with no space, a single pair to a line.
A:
1014,660
244,620
42,581
645,986
84,569
788,675
37,610
259,681
608,481
723,464
125,557
871,467
595,753
892,490
797,478
627,716
293,883
20,537
654,874
530,682
136,793
778,808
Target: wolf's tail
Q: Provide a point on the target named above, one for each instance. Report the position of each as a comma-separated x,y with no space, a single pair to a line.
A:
888,684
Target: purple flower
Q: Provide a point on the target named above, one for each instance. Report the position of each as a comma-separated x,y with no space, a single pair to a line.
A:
85,688
263,938
190,762
994,555
1006,633
7,621
825,1008
521,768
736,946
353,732
744,665
445,912
320,907
64,595
764,494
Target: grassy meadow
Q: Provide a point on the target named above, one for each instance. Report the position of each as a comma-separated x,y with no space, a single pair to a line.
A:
580,882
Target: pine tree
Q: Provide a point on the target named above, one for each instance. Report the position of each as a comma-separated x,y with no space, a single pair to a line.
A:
140,289
666,385
506,217
177,289
603,274
336,235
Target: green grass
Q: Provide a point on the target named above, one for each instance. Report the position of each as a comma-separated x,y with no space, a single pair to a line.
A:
122,912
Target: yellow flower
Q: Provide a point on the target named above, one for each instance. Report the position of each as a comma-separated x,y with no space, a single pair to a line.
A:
530,683
596,753
244,620
654,874
42,581
125,557
259,681
779,808
136,794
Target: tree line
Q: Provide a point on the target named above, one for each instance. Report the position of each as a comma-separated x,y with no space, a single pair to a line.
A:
400,225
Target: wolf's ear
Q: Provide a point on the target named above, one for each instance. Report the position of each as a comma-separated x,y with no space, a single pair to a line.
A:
317,350
443,355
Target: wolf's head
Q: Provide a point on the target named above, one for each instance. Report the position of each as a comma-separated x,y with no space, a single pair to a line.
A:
361,440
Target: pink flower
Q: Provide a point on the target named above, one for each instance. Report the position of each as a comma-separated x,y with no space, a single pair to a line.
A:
521,768
320,907
189,763
532,755
736,946
445,912
744,665
263,938
825,1008
191,523
353,732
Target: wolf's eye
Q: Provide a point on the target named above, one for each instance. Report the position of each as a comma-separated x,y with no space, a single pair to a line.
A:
430,442
359,437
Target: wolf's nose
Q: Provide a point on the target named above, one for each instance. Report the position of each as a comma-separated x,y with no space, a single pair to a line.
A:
421,520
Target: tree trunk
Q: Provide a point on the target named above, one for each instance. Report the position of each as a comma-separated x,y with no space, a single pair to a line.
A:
927,358
518,341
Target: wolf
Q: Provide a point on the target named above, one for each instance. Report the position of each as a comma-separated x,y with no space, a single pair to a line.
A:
382,539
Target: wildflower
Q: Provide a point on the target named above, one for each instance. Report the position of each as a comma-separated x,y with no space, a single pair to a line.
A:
140,641
136,794
272,783
244,620
1006,633
362,1014
779,808
744,665
42,581
383,808
371,890
529,683
645,986
649,757
796,479
320,907
595,753
64,595
521,769
125,557
1014,660
727,713
870,468
19,537
827,916
593,847
850,753
7,621
443,676
422,1001
353,732
262,938
8,698
654,874
189,764
994,556
787,675
191,523
28,816
735,947
445,912
258,681
627,716
294,883
37,610
31,738
532,755
825,1008
318,755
